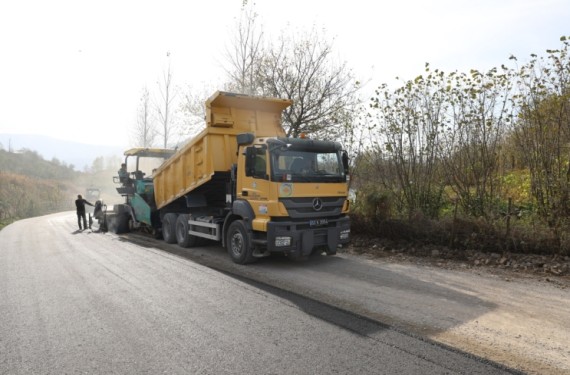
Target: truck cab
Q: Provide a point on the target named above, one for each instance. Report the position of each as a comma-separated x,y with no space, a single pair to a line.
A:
297,189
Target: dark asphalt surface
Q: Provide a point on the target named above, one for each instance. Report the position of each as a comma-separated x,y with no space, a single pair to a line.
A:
82,302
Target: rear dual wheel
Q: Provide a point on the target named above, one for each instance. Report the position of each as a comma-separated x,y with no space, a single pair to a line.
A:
169,227
184,238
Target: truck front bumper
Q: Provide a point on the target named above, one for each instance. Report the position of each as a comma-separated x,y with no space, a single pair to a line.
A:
300,238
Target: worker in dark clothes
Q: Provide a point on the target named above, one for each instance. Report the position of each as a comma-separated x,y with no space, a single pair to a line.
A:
80,205
123,175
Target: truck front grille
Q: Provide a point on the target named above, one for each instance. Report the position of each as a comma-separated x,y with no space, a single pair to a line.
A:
301,208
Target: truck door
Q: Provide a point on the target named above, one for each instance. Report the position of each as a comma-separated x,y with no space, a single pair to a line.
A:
254,186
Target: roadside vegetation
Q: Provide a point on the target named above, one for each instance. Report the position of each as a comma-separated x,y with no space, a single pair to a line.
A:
477,160
31,186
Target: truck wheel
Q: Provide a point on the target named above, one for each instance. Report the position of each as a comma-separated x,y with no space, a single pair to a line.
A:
169,228
184,238
239,243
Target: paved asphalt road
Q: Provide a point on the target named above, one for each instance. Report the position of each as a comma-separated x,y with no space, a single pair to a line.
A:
76,302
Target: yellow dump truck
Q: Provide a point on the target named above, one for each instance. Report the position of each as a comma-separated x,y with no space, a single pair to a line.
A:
242,182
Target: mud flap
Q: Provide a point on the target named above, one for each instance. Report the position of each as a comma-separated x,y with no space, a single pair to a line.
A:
332,240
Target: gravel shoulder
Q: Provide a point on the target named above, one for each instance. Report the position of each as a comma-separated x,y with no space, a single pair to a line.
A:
528,326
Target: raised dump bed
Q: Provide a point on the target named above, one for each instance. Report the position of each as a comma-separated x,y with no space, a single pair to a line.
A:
214,150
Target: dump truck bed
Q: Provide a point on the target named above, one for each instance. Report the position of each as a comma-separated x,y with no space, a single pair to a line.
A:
215,148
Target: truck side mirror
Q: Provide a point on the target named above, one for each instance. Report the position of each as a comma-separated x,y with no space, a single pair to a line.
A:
345,162
250,161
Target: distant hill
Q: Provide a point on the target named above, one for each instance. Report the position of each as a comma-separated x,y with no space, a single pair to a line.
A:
31,164
31,186
72,153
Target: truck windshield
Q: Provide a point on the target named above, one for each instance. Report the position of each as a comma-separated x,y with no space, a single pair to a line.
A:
304,166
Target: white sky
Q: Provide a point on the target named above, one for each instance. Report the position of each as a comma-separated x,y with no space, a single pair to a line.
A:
74,69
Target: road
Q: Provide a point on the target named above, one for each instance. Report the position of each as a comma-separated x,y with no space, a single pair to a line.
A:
86,302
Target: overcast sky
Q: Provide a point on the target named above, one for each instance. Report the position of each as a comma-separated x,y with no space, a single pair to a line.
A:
75,69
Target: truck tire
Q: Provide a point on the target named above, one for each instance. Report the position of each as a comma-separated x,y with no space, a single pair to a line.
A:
169,228
184,238
239,243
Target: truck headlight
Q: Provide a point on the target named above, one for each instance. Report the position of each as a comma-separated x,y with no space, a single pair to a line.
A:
345,234
282,241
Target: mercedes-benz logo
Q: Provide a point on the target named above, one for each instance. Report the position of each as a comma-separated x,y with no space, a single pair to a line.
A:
317,204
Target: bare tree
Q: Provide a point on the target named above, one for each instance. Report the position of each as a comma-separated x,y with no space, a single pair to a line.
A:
164,105
301,68
193,110
144,131
244,54
323,90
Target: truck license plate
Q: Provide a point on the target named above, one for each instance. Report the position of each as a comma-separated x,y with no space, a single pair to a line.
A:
318,222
